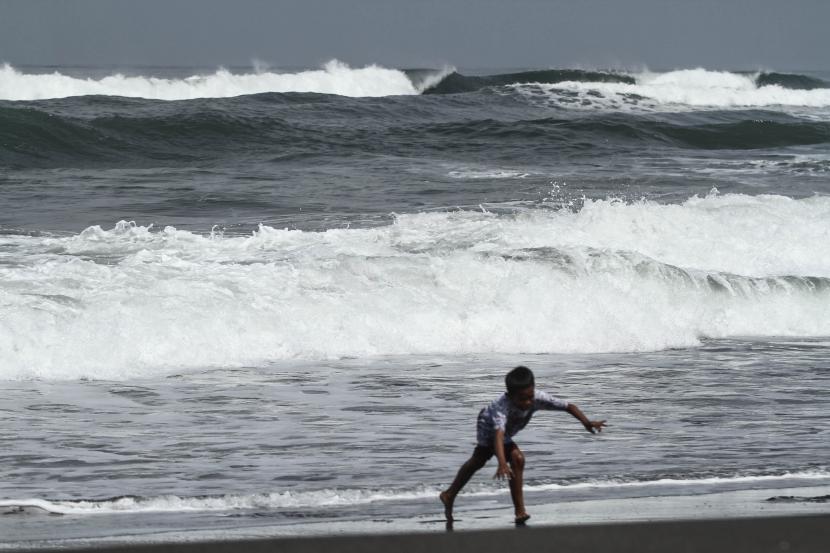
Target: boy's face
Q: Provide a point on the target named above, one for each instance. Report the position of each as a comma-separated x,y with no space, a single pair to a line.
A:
523,399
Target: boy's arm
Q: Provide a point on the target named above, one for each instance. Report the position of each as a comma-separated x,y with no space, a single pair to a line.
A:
498,446
590,426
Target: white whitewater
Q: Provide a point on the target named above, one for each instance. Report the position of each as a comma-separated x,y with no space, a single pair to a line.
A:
612,276
348,497
685,88
694,88
333,78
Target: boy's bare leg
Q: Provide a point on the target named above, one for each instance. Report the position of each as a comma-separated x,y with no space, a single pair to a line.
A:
467,470
517,464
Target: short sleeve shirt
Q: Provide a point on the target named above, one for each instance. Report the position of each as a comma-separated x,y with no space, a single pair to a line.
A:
502,414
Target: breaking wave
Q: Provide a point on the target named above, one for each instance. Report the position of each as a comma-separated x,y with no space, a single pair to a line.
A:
685,89
455,82
690,87
610,276
333,78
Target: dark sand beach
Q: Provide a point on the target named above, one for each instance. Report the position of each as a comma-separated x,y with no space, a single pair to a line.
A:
796,534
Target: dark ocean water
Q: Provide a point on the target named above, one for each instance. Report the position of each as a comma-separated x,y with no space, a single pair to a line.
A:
229,295
317,161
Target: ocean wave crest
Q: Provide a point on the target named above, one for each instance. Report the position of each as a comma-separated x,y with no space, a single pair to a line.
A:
683,89
690,87
454,82
611,276
333,78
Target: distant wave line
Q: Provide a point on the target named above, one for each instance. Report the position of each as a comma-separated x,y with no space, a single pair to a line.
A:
338,78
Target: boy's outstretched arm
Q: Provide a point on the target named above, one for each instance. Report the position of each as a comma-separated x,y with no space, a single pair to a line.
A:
590,426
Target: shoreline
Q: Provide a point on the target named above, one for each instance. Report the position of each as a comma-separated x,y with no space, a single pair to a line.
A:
699,522
790,534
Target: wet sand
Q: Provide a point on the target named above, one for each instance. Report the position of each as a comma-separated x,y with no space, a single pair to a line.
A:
790,534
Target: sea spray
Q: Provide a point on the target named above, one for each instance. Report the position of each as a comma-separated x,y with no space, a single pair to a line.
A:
692,88
333,78
612,276
685,89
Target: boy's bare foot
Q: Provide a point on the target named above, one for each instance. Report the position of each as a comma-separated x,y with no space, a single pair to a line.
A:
447,501
521,519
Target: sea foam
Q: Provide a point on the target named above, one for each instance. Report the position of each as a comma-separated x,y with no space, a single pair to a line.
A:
691,88
333,78
611,276
305,499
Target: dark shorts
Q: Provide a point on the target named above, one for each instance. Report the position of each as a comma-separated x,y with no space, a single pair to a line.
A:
487,452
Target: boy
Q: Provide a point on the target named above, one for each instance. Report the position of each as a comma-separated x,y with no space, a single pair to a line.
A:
497,424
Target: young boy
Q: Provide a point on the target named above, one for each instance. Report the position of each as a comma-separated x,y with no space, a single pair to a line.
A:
497,424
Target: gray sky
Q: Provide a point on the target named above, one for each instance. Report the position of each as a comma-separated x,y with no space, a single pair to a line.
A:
660,34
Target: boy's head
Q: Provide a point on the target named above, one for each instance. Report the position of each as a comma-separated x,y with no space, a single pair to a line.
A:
520,387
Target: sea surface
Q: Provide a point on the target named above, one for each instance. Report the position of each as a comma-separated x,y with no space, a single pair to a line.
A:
266,298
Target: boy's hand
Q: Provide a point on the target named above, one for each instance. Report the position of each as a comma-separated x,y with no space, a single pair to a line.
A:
591,426
594,426
503,471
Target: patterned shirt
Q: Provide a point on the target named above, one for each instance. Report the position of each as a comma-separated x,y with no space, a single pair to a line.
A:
502,414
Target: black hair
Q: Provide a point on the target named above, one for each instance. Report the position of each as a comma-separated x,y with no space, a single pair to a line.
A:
518,379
